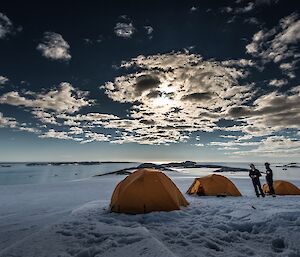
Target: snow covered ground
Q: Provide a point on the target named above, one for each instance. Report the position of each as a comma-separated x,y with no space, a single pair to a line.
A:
71,218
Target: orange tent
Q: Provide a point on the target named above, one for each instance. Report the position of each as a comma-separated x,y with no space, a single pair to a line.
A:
146,190
282,187
213,185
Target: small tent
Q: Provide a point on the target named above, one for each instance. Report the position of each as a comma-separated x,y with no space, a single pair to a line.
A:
146,190
282,187
213,185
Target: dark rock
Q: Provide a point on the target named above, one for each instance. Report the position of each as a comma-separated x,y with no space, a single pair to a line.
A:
118,172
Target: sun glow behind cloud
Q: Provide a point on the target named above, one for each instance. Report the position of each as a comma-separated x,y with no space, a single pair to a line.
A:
165,99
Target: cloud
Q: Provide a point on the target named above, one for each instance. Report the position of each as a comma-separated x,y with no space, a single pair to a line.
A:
275,146
93,136
50,107
146,82
45,117
227,9
288,68
278,44
193,9
3,80
245,7
198,97
251,20
149,30
54,47
228,136
91,41
241,10
175,94
239,63
56,134
234,143
271,146
265,2
6,26
76,134
278,82
228,148
124,30
29,129
7,121
63,99
272,112
170,97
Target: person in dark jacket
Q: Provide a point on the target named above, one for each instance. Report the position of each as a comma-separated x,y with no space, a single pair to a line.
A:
254,174
269,179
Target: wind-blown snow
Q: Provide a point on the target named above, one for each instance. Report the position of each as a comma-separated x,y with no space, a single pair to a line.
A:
72,219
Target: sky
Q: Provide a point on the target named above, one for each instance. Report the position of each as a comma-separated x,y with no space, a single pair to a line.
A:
150,81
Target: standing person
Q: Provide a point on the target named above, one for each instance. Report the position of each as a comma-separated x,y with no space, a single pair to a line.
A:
269,179
254,174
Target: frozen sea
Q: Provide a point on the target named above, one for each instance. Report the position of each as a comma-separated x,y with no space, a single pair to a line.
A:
63,211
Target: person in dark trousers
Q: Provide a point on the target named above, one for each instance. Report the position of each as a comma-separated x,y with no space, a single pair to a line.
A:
254,174
269,179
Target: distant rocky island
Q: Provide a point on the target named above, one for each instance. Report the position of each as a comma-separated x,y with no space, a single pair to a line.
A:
170,167
289,165
71,163
5,165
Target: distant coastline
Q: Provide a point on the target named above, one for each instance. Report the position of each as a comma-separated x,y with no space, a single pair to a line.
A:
290,165
173,165
73,163
162,166
9,164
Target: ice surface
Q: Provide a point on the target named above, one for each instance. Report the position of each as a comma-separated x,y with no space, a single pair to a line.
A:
71,218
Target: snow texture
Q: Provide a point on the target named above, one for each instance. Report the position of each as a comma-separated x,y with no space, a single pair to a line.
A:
72,219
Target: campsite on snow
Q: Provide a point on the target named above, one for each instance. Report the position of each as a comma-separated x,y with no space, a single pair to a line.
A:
153,213
150,128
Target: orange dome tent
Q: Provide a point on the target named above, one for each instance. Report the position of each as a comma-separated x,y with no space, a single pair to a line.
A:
146,190
282,187
213,185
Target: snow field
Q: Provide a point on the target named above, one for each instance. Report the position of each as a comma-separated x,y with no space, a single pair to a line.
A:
72,219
